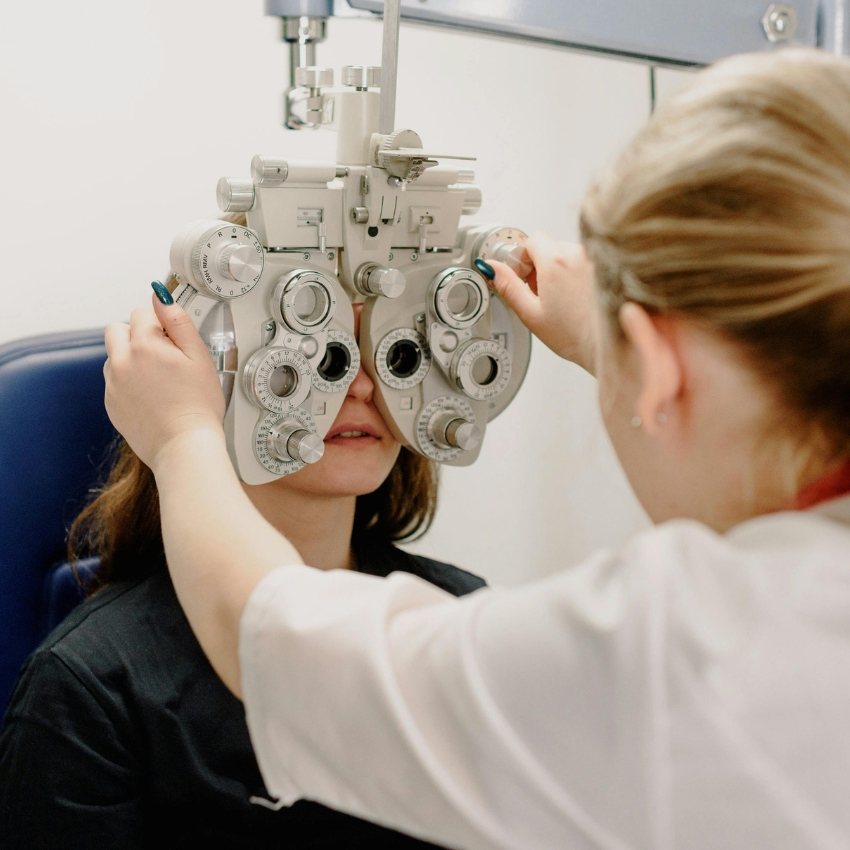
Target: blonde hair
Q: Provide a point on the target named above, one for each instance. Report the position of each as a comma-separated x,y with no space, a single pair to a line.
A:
732,208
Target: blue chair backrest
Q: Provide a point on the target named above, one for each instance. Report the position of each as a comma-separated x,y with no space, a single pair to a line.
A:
54,443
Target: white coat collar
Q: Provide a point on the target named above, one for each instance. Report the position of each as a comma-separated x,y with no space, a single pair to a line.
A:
837,509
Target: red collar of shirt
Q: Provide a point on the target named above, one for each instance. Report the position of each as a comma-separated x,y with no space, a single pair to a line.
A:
831,486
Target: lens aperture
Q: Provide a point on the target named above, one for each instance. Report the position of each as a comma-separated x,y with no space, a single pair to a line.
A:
336,363
283,381
484,371
463,301
404,358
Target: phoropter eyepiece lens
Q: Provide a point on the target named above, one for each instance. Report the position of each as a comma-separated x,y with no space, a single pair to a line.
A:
404,358
336,362
485,370
311,304
283,381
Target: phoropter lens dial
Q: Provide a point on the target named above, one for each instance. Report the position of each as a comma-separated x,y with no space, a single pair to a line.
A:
304,301
446,428
284,442
219,259
460,297
339,366
507,245
403,358
290,440
482,369
277,378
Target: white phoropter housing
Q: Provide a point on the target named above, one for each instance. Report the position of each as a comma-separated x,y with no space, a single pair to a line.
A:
273,299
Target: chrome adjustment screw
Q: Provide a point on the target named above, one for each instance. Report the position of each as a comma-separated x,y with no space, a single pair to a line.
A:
779,22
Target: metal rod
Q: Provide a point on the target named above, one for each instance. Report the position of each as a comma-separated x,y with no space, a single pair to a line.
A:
389,66
302,54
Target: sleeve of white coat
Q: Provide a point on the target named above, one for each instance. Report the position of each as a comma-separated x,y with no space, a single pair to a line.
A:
528,717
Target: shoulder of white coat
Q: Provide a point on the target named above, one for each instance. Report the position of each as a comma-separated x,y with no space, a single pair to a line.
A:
680,579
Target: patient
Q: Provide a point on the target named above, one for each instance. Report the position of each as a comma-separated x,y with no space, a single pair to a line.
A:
120,735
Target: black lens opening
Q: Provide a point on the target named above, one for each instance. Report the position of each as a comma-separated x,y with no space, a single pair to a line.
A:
485,370
336,362
404,359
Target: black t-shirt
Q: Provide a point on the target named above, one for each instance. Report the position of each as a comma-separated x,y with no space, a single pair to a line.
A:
120,735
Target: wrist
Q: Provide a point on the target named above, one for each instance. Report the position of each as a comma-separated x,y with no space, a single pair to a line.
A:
200,441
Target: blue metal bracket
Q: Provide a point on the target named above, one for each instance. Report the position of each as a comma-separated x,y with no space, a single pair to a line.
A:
664,32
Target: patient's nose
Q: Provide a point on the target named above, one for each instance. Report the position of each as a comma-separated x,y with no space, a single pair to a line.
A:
362,387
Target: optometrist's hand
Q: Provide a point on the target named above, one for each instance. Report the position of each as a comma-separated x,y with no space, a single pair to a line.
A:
556,304
160,380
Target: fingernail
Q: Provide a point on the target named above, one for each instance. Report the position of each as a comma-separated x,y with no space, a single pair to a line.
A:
485,268
162,293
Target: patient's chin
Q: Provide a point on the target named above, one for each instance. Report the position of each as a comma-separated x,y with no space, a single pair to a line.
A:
347,470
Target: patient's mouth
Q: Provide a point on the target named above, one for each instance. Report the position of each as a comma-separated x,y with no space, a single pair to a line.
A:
359,431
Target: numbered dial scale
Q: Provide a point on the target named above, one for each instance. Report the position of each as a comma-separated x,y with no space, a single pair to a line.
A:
264,439
451,408
221,259
482,369
277,379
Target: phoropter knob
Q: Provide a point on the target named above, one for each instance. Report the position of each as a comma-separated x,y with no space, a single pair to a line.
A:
507,245
235,194
516,257
240,262
291,441
361,76
372,279
312,77
450,430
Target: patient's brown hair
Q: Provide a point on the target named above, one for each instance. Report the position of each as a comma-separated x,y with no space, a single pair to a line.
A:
122,523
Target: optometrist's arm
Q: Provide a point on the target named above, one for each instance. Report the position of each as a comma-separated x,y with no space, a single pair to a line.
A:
163,395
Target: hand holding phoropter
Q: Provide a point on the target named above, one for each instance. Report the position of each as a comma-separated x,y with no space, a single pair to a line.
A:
556,304
160,384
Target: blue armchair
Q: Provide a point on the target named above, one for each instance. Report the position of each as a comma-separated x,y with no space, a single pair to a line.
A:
55,440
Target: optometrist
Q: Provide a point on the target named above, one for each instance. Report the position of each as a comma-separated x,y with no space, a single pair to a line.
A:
691,689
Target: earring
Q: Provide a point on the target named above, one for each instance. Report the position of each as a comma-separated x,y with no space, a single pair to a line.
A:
661,419
637,421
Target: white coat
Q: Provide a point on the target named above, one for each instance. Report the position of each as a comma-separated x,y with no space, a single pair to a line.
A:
690,690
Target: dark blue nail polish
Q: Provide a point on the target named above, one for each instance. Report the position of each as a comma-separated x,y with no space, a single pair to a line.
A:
486,269
162,293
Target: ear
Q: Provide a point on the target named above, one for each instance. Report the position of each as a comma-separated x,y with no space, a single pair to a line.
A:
661,373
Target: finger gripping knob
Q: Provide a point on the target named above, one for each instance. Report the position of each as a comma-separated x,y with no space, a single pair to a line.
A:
515,257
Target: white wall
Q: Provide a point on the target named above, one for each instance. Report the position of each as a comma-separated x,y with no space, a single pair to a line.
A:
118,118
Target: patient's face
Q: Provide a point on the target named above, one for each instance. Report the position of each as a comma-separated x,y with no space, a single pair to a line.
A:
360,449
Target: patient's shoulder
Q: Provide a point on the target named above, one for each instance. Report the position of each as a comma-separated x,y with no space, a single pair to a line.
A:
125,622
382,558
447,576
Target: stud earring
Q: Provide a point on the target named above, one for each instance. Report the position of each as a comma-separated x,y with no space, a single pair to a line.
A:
661,419
637,421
